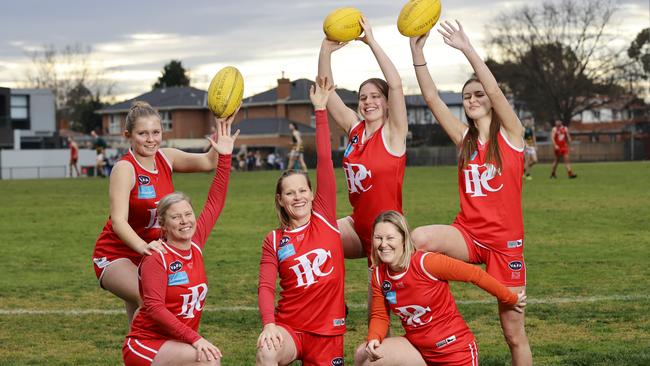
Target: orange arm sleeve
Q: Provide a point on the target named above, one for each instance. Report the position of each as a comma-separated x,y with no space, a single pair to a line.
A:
379,313
446,268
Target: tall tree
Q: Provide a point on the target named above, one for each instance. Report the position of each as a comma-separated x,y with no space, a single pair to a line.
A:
173,74
637,71
554,56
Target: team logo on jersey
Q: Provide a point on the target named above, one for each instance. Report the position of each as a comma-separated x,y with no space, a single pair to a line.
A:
355,175
515,243
146,192
286,252
284,241
446,341
339,361
143,179
309,267
386,286
194,300
391,297
412,315
175,266
516,265
177,279
477,181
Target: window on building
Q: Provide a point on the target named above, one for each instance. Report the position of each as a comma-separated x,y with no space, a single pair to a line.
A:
114,124
596,114
20,112
166,119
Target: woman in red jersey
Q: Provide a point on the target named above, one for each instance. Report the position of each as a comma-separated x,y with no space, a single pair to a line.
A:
309,321
413,285
173,284
375,157
489,227
138,181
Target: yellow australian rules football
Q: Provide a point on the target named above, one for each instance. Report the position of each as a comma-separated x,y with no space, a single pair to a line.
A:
225,92
418,17
342,25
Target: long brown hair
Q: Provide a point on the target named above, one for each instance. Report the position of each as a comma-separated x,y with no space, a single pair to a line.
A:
470,142
283,217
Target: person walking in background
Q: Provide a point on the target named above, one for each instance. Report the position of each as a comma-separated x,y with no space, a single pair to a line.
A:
489,227
139,180
530,152
414,286
561,142
74,156
306,252
173,285
296,153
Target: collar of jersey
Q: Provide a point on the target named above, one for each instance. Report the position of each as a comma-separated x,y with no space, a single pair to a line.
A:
171,249
155,171
299,228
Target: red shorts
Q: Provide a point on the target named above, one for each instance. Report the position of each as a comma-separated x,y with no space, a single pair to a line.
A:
314,349
464,354
561,152
140,352
507,268
105,254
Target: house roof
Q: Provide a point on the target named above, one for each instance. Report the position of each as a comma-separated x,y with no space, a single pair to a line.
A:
449,98
178,97
299,93
270,126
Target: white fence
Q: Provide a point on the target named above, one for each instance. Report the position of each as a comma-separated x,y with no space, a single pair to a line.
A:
49,163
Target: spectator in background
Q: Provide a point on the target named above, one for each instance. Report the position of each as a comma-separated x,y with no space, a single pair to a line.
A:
74,155
99,162
271,161
258,160
241,158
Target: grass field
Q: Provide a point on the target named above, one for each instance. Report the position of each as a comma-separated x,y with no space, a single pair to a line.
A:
587,252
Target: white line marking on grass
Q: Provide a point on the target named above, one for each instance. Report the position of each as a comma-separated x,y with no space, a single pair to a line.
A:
551,300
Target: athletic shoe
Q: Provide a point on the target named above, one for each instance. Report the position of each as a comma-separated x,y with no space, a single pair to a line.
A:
528,177
553,176
573,176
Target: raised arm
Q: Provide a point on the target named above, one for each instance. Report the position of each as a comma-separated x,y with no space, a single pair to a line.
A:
456,38
453,126
185,162
325,200
219,187
344,116
397,123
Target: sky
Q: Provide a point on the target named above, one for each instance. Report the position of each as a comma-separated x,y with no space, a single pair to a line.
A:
131,41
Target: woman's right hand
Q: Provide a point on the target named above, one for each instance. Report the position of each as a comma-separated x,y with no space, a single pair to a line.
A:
371,349
152,246
270,337
417,43
331,46
320,92
206,350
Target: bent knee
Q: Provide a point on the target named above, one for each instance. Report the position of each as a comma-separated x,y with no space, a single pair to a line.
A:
422,239
360,355
265,355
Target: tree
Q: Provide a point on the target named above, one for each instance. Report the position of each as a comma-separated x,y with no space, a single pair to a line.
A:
637,71
554,56
173,74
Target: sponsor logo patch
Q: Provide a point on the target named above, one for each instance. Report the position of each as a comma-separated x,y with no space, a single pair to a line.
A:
474,154
515,243
146,192
446,341
386,286
339,322
284,241
177,279
515,275
175,266
144,180
391,297
101,262
516,265
286,252
338,361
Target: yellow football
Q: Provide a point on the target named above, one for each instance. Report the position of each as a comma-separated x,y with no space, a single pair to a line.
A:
342,25
418,17
225,92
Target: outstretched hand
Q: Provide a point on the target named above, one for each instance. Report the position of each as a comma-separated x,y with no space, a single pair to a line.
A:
319,92
367,37
225,141
417,43
331,46
455,38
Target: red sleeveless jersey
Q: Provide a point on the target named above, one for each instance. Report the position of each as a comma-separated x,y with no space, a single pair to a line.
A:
149,188
424,304
490,200
560,137
374,178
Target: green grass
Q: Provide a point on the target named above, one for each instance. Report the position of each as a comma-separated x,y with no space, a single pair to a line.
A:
587,242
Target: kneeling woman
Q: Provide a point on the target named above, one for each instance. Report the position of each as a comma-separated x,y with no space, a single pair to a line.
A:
306,251
413,285
173,285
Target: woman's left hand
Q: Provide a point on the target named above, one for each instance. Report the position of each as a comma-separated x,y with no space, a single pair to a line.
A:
521,302
367,37
455,38
225,142
320,92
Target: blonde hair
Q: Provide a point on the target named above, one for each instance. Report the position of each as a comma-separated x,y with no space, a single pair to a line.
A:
283,217
399,222
167,201
139,109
